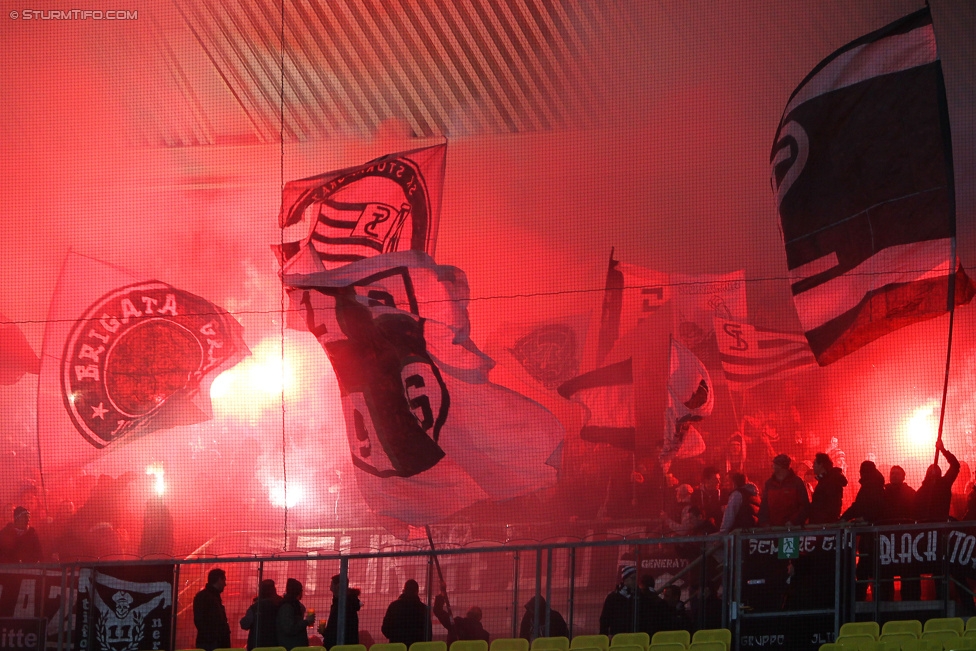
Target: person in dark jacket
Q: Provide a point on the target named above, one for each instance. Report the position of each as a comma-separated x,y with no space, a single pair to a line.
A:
406,619
899,499
459,628
742,510
260,620
970,505
934,496
868,507
291,621
330,632
530,628
708,496
653,613
19,542
617,615
828,496
209,616
784,499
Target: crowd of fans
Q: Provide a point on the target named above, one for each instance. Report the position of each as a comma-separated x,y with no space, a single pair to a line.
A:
274,620
723,504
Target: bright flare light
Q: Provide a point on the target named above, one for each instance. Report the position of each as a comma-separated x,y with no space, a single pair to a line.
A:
921,430
257,382
157,470
295,494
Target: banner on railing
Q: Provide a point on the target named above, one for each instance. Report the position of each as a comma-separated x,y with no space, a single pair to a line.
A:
124,608
30,606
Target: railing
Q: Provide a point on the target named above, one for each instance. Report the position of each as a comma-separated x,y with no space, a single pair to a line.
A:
789,588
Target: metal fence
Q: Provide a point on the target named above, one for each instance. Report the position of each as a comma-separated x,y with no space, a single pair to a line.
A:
774,589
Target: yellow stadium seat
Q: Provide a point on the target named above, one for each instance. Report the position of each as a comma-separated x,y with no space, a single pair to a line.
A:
887,645
941,636
628,647
555,643
279,648
640,639
509,644
469,645
897,638
912,626
436,645
921,645
378,646
861,628
667,637
945,624
960,643
971,624
710,645
342,647
858,642
231,648
322,648
711,634
667,646
598,641
832,646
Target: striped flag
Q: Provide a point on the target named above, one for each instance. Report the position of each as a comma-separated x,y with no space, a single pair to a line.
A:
751,355
862,169
386,205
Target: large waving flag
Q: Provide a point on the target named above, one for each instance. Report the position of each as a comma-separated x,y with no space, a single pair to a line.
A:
607,397
386,205
123,357
428,433
691,397
751,355
16,355
862,171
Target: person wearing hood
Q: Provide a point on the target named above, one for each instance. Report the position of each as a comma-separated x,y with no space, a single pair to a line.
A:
899,499
784,499
530,629
828,496
868,507
742,510
934,497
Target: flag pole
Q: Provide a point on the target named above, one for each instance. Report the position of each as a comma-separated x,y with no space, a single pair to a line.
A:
951,300
440,575
608,331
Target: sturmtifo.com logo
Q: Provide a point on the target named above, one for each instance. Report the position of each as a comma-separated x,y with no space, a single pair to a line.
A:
73,14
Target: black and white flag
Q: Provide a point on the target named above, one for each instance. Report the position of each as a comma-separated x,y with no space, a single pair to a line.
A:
862,170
